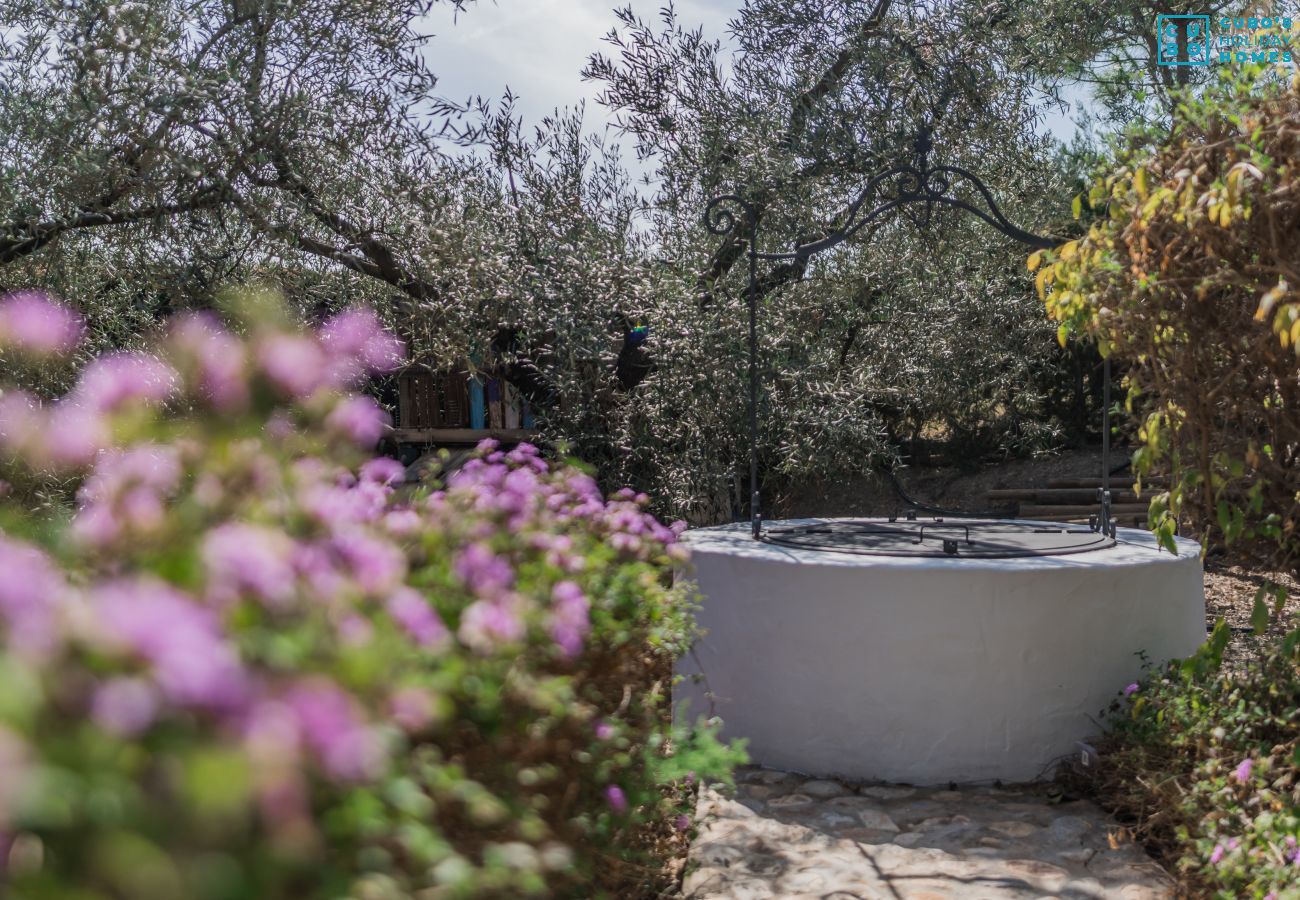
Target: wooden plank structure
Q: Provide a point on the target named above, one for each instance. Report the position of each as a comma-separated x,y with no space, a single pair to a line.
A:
450,406
1075,499
415,396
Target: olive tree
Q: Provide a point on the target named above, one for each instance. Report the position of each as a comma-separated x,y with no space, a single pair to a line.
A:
211,137
157,149
923,322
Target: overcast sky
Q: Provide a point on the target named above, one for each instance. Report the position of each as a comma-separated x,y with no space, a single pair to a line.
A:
538,47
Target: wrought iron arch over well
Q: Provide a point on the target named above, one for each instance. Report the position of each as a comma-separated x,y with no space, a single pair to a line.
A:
903,185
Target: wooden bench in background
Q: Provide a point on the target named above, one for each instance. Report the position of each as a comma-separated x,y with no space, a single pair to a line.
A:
1075,499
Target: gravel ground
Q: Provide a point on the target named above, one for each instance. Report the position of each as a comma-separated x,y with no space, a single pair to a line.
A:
1230,594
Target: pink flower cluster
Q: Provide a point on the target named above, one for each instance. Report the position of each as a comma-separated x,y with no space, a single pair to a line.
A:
516,492
200,362
126,494
347,348
224,570
178,650
31,324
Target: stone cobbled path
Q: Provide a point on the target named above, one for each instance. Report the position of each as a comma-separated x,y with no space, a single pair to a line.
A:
784,835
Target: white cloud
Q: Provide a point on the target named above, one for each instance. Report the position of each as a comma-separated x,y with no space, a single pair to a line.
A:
537,48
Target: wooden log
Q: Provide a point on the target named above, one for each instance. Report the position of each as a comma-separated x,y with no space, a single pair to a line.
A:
1127,521
1062,495
417,400
1030,511
453,400
1121,480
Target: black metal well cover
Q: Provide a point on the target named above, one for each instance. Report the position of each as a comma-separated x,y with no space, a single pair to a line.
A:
942,537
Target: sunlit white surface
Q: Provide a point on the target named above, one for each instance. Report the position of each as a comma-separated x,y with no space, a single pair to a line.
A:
926,670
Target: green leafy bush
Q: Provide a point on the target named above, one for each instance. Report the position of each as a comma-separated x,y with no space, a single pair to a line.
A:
1208,765
1191,273
248,665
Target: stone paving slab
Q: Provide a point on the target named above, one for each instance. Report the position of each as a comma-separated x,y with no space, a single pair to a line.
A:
788,836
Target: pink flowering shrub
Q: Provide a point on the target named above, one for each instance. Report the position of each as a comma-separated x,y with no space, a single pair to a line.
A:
245,662
1205,765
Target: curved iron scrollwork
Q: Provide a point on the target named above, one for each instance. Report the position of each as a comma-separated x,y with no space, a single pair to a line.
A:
912,183
720,220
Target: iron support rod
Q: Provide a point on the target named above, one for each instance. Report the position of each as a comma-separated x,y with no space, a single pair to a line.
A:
1105,424
1105,445
755,515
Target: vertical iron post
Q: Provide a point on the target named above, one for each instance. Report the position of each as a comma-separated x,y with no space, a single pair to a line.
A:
1106,527
755,513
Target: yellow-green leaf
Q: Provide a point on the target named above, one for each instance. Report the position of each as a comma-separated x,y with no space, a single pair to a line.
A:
1041,281
1259,614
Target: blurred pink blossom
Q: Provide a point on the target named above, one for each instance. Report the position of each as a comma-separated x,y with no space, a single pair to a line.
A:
355,630
402,522
376,565
383,469
412,611
32,323
482,571
616,798
569,617
249,559
31,588
487,624
181,640
317,566
338,507
1243,770
359,419
153,466
124,706
358,344
114,380
331,727
22,423
124,493
293,363
412,708
74,435
216,357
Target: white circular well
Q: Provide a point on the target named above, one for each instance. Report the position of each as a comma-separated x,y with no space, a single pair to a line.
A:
925,670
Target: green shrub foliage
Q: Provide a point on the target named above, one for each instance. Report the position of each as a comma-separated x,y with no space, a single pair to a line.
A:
1191,273
1208,765
252,663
